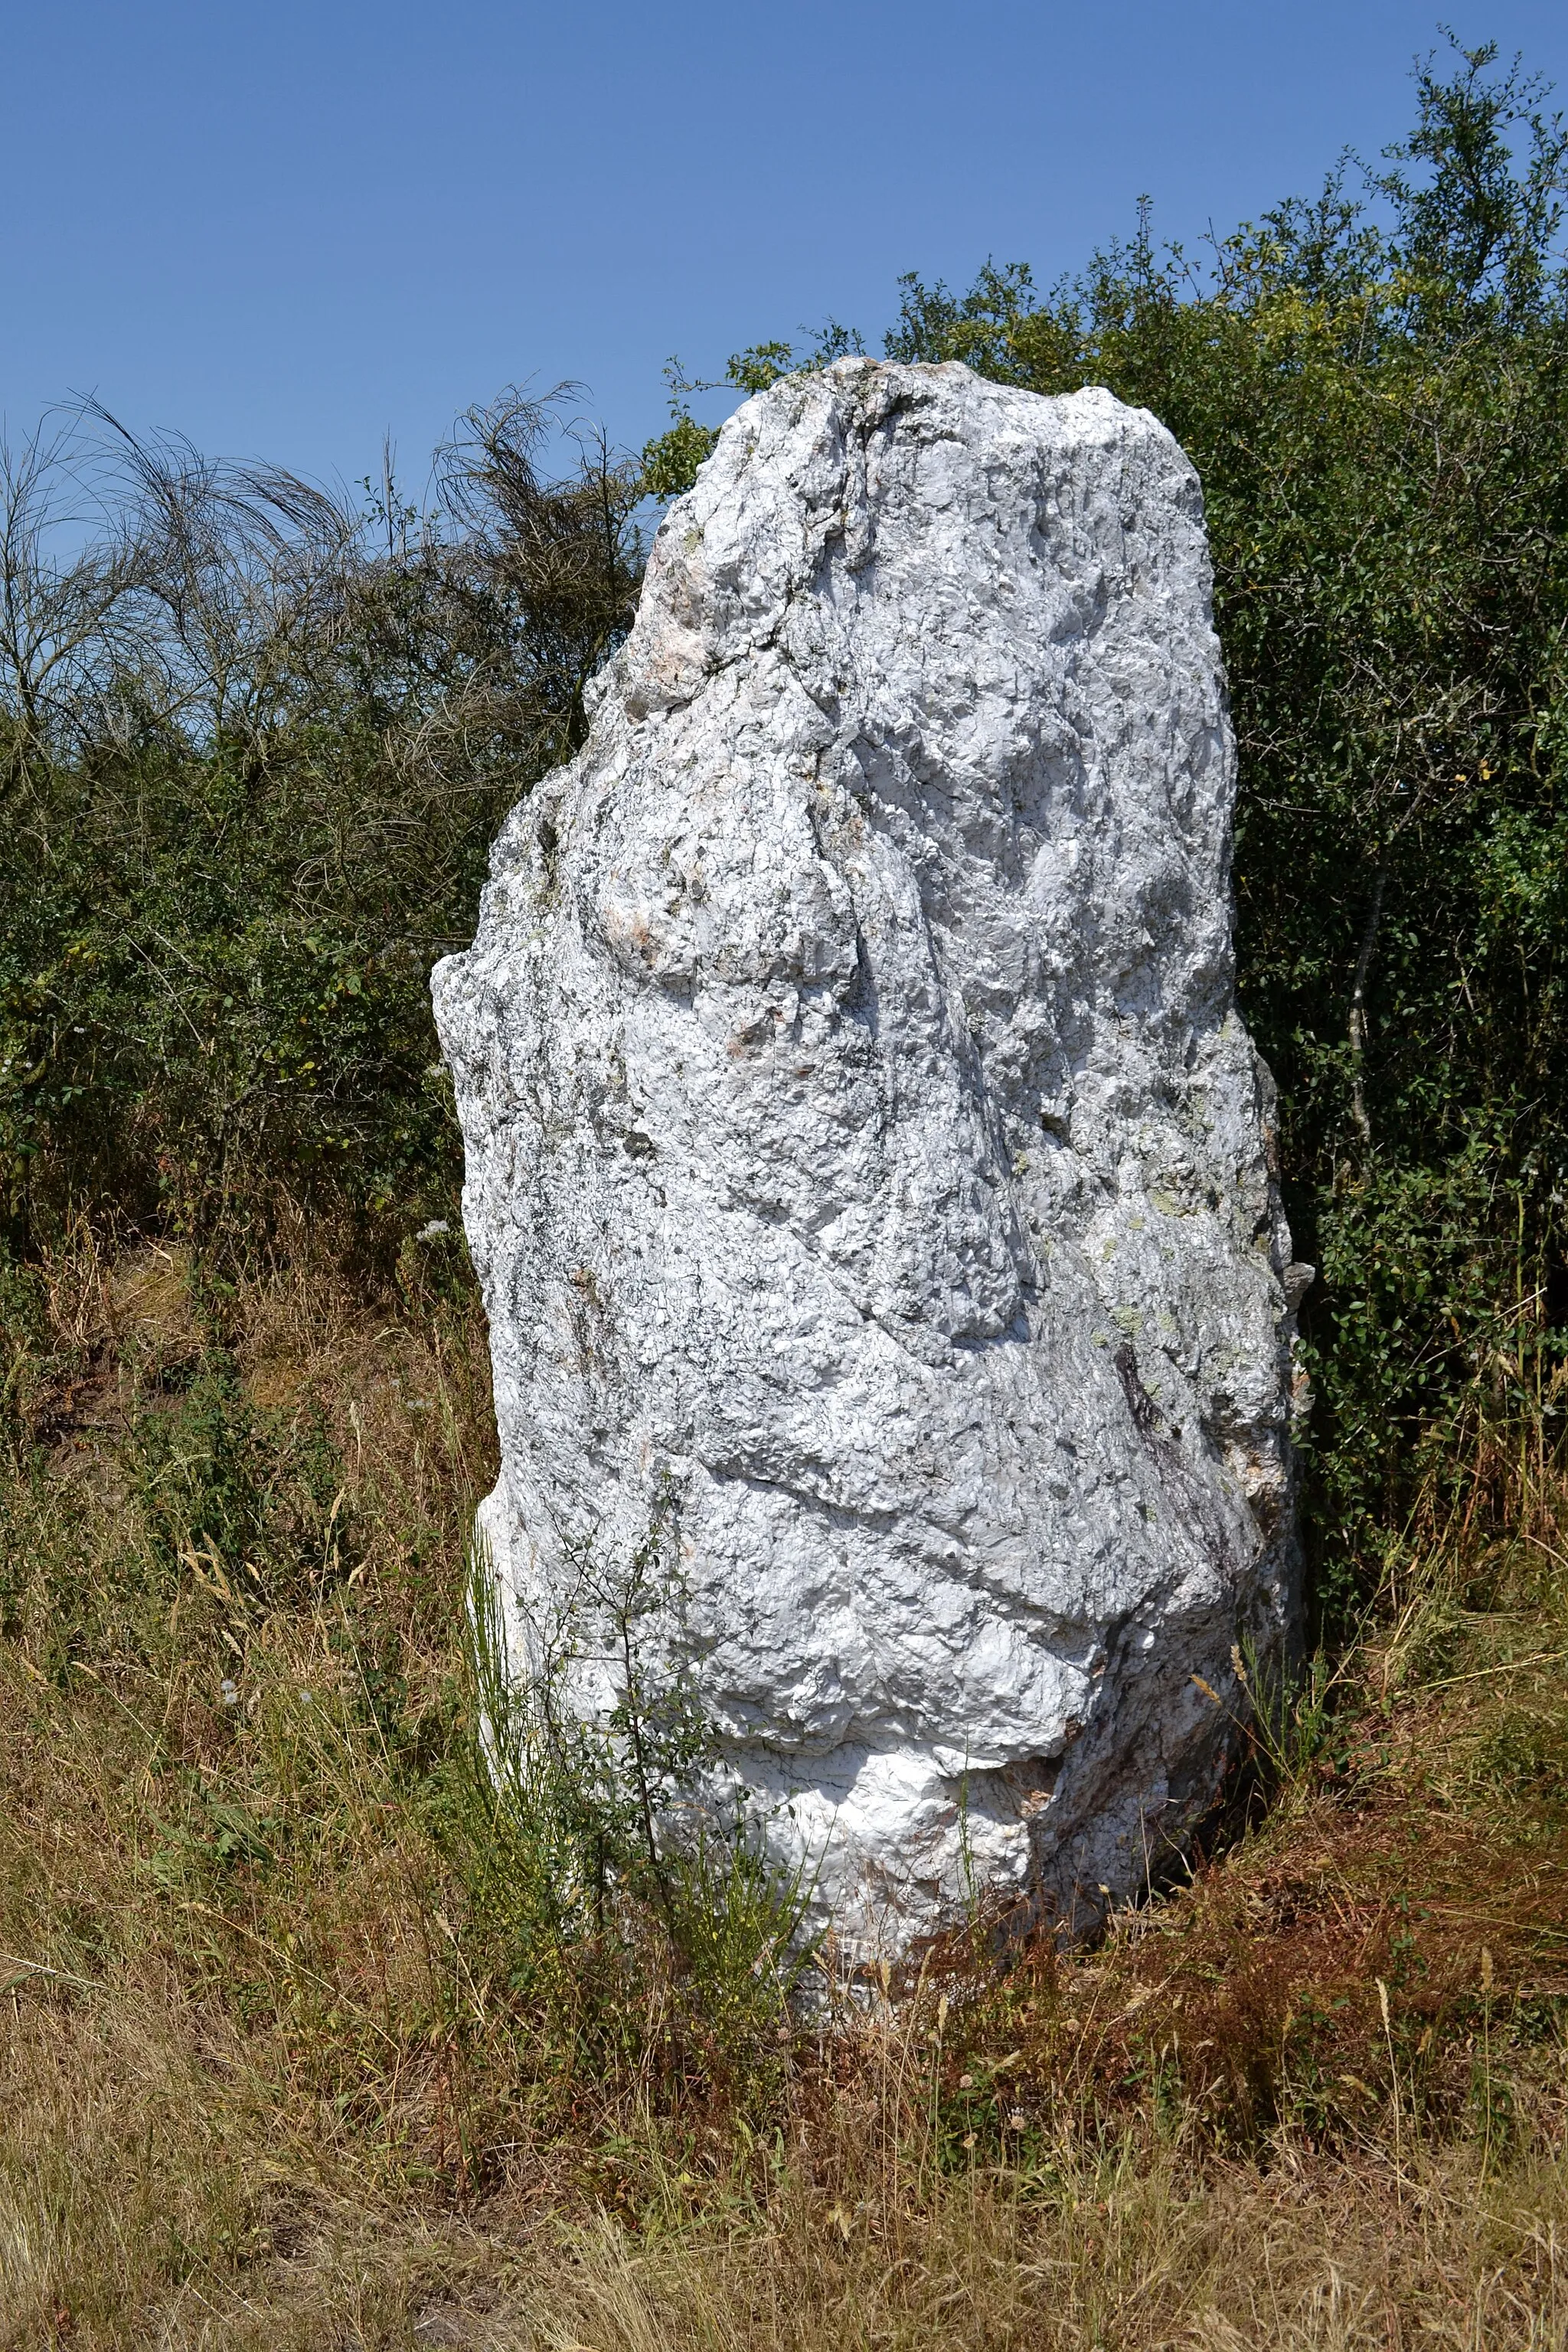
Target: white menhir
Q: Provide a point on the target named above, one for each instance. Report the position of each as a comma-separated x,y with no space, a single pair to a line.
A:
866,1155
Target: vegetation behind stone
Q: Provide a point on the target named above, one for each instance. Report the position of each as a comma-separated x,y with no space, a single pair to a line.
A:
310,2032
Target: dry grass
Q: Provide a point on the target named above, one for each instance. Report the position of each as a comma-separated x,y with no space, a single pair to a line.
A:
271,2076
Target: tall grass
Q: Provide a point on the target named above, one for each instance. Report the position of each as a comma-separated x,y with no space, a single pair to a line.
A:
322,2030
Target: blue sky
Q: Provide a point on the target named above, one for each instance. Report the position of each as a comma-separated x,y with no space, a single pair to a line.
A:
285,229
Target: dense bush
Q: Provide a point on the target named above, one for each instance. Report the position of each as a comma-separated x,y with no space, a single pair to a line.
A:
1375,390
254,747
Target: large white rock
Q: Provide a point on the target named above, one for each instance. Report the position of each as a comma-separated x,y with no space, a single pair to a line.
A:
863,1147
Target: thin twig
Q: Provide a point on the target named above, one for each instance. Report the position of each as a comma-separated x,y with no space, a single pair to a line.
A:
1506,1666
41,1969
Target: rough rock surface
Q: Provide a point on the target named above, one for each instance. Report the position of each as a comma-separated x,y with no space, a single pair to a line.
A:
862,1141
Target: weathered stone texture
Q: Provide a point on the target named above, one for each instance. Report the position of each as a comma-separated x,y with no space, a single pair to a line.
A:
862,1136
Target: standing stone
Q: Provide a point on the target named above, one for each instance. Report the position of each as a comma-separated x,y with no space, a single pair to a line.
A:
865,1152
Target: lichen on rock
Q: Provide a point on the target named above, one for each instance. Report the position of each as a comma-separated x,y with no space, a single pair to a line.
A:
863,1148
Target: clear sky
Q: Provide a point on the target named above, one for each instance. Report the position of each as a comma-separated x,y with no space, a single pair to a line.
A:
285,228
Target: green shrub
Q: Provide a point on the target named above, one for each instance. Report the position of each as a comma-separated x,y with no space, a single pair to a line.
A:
1374,392
643,1926
253,749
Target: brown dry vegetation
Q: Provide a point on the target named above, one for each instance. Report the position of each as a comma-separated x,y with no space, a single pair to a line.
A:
271,2072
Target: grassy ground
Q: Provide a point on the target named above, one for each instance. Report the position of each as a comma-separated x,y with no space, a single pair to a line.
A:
284,2062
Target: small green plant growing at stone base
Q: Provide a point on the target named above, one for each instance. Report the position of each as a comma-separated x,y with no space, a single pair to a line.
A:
631,1909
